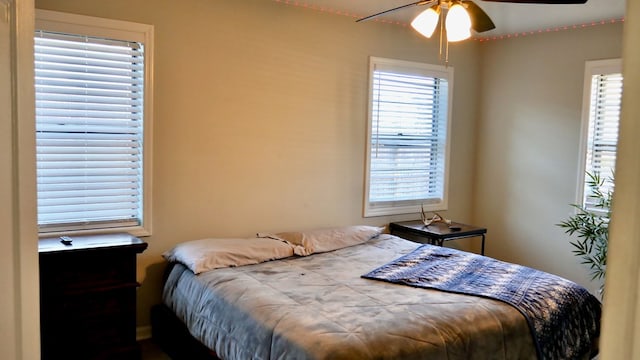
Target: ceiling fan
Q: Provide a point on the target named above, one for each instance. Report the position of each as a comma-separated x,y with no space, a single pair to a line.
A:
462,16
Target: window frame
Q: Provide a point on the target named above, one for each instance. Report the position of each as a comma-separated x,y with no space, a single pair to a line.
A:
592,68
54,21
408,206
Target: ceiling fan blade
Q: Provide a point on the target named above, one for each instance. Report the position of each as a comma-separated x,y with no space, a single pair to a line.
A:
480,21
558,2
422,2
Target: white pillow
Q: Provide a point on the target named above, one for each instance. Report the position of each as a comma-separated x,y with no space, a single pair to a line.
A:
207,254
323,240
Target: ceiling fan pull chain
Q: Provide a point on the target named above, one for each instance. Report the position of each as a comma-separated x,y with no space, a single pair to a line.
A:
441,34
446,57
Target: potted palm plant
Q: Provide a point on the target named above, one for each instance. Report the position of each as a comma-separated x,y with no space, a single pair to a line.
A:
591,226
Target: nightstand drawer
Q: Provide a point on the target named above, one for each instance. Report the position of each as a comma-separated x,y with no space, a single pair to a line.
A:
75,273
83,318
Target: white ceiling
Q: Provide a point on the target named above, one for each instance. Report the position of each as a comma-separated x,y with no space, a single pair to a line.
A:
509,18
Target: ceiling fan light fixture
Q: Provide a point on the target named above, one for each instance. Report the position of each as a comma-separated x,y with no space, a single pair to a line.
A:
426,22
458,23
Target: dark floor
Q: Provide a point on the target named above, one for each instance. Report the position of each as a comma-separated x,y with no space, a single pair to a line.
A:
151,351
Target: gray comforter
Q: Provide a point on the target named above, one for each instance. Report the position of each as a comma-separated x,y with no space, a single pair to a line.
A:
318,307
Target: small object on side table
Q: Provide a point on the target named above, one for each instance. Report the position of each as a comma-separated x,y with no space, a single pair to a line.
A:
66,240
436,234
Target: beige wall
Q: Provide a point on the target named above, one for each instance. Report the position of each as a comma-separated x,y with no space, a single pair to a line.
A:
528,143
260,116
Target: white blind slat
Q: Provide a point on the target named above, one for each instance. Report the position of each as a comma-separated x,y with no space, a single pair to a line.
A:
604,116
409,115
89,131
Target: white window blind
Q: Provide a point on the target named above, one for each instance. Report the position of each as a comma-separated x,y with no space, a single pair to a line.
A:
89,131
408,138
605,98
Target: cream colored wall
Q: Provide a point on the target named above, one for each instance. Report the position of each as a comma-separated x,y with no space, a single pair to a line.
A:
260,116
528,143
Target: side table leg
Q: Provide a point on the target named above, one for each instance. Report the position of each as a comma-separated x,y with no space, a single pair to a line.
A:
482,250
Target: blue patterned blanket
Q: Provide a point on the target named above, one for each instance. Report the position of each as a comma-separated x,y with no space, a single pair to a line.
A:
564,317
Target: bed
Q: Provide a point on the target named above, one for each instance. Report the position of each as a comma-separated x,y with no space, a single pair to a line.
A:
321,307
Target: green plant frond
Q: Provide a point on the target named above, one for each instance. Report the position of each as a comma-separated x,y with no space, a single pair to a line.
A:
592,227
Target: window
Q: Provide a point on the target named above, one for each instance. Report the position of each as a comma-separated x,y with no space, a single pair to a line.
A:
408,137
600,118
93,124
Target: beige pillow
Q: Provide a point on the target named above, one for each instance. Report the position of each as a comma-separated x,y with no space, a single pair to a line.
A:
322,240
207,254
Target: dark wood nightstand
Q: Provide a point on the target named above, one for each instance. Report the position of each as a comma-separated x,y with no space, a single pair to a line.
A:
88,297
435,234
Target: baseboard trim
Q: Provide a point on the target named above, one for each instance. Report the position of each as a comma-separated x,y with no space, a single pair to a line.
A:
143,332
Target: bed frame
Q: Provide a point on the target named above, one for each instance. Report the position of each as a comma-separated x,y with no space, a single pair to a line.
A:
173,337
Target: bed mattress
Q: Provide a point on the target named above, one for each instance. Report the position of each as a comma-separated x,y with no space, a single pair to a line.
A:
319,307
